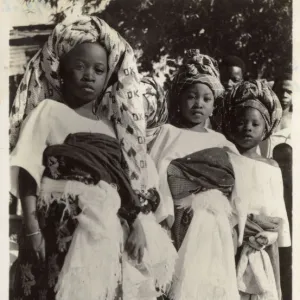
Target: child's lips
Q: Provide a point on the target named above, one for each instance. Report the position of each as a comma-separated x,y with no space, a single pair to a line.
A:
247,137
197,113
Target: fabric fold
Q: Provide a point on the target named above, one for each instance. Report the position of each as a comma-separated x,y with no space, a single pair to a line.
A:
258,270
206,267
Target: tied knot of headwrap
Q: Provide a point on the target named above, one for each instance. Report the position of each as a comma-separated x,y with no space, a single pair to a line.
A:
255,94
199,63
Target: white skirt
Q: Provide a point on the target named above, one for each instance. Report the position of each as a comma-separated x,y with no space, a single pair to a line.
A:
92,269
205,269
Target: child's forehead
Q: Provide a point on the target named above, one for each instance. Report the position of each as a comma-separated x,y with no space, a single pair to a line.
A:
287,85
87,50
247,112
198,87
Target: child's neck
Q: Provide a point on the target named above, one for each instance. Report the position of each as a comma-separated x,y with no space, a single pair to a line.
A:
286,112
187,124
250,153
86,110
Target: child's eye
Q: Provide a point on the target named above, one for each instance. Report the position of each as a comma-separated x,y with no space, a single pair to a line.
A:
79,66
191,97
207,99
99,70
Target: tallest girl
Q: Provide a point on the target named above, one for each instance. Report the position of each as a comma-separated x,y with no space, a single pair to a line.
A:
79,166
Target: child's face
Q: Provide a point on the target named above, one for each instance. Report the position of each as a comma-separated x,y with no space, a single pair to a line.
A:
248,128
196,103
284,93
231,76
85,70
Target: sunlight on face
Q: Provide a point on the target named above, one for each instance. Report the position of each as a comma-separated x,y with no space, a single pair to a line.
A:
197,103
84,72
249,128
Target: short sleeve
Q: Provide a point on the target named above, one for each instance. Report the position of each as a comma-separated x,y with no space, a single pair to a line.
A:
284,238
28,152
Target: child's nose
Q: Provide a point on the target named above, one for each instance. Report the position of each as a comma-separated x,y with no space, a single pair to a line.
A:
199,102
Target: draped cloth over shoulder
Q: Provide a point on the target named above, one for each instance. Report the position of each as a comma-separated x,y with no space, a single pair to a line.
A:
121,103
255,94
205,269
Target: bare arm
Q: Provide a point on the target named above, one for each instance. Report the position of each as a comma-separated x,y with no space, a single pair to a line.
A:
27,189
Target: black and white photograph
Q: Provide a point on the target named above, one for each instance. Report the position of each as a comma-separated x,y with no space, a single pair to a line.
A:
149,149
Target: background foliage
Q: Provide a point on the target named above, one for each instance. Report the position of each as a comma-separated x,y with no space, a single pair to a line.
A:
258,31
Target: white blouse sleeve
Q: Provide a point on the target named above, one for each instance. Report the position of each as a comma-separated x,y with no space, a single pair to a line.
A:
284,237
240,198
28,153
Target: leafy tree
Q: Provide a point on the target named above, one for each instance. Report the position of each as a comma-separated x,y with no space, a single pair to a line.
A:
258,31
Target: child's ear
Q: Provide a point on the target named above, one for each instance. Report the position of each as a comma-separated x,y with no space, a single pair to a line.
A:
264,134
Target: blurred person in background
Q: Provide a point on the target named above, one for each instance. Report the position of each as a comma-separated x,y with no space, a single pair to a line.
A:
232,71
283,89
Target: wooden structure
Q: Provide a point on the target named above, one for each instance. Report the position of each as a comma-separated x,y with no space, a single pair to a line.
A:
24,42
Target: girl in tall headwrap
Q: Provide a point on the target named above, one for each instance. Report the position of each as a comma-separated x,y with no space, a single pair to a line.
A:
253,111
198,189
196,89
79,166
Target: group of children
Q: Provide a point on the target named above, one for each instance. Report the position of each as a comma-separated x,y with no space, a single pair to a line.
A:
109,182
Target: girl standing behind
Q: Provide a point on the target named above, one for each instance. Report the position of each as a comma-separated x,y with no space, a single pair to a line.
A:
195,90
196,180
253,111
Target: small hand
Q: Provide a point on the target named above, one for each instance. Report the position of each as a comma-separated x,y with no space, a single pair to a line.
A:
254,244
263,239
136,241
37,245
266,237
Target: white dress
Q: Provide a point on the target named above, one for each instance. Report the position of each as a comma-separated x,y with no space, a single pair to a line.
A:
282,136
99,228
205,268
260,189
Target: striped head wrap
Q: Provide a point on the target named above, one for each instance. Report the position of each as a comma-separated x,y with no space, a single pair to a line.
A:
256,94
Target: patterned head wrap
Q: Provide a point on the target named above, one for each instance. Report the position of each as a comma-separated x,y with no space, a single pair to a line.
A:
122,102
197,68
155,104
256,94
